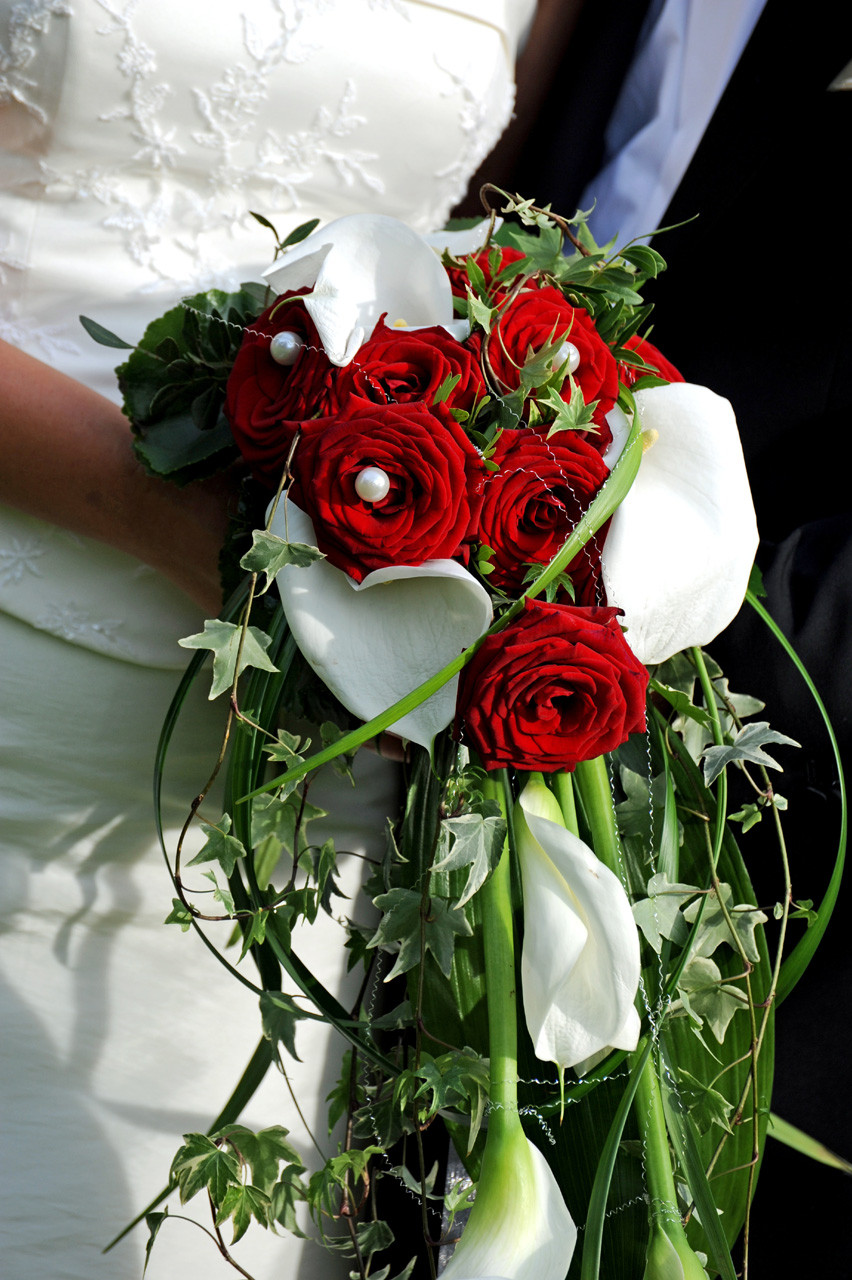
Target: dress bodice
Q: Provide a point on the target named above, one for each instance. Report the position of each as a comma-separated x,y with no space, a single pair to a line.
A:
137,137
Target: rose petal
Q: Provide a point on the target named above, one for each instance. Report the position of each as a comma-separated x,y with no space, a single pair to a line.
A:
580,960
362,267
680,546
374,642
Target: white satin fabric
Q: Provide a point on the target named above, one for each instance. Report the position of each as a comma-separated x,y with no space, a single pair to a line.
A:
135,136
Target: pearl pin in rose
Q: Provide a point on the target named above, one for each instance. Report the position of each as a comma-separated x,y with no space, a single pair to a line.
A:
372,484
285,347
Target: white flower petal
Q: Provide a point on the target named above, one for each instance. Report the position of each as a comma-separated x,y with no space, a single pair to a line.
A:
680,546
519,1227
362,267
580,960
374,642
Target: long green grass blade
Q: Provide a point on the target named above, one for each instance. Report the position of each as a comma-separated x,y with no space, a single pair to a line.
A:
802,954
787,1133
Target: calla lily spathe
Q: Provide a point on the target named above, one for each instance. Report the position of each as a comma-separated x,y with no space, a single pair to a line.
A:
362,267
374,642
519,1227
680,546
580,959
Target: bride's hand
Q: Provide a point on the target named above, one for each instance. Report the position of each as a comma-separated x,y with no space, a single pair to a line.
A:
66,455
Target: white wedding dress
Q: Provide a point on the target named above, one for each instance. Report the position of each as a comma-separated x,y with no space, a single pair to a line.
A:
135,135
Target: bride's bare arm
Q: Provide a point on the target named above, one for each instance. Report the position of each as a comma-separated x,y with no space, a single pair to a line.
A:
66,455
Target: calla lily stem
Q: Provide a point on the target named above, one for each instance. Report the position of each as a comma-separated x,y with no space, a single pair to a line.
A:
499,947
591,778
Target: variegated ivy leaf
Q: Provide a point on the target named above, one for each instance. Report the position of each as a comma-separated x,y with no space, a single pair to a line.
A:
707,998
470,841
219,846
242,1203
202,1165
714,928
454,1080
748,746
269,554
279,1014
706,1106
223,639
659,915
399,929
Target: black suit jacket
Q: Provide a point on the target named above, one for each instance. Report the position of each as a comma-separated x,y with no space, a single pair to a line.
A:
757,304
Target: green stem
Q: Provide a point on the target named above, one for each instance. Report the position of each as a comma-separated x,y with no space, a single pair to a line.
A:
499,947
592,780
648,1105
563,788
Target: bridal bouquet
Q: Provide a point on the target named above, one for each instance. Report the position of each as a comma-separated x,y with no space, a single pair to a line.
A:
501,527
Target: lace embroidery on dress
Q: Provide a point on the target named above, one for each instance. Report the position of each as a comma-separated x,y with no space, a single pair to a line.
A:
28,20
78,625
481,128
20,558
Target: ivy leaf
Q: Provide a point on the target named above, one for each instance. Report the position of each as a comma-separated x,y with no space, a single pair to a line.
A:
287,1192
681,701
458,1078
242,1203
223,639
264,1152
254,931
706,1106
201,1165
747,745
220,895
347,1169
470,841
659,915
153,1221
400,928
279,1014
707,998
269,554
220,847
714,928
374,1236
179,914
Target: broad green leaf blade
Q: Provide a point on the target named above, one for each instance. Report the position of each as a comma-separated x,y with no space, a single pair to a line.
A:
590,1269
106,339
692,1163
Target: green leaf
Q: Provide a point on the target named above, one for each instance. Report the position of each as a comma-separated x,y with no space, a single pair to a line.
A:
747,745
279,1014
300,233
787,1133
255,931
659,915
400,925
269,554
714,928
219,894
201,1165
470,841
682,702
175,443
374,1236
242,1203
264,1152
106,339
706,1106
223,639
220,847
153,1221
179,914
289,1190
706,998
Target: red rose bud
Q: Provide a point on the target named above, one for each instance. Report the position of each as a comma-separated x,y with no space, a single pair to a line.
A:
536,319
532,503
266,401
557,686
398,365
434,491
653,357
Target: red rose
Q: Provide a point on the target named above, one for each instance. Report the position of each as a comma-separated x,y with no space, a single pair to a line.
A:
266,402
435,474
653,357
398,365
533,502
557,686
536,319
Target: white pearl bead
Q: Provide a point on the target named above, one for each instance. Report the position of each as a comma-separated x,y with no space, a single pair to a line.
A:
570,353
285,346
372,484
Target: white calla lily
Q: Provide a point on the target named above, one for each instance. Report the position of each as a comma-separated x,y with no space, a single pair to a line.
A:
360,268
375,641
464,241
519,1227
680,546
580,959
